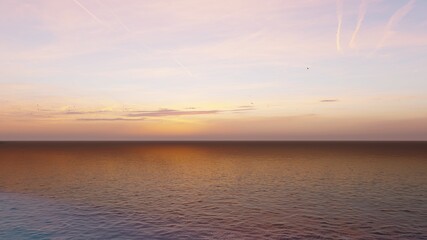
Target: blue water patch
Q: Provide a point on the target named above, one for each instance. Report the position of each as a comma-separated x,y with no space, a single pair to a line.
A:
28,217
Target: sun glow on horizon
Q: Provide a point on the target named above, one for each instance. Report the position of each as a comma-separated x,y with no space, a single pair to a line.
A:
213,70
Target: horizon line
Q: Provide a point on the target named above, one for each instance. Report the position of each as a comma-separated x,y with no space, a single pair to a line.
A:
194,141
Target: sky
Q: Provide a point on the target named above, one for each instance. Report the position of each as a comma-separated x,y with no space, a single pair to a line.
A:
213,70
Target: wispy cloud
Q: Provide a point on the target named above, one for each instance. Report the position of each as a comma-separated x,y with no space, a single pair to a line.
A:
329,100
83,112
109,119
114,115
361,17
89,12
394,20
116,17
339,18
179,63
125,27
242,108
164,112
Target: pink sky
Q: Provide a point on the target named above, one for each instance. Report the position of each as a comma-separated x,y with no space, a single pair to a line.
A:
213,70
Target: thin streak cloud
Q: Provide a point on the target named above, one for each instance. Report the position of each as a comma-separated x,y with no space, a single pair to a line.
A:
394,20
82,113
118,19
110,115
89,12
170,112
242,109
361,17
165,112
339,18
183,67
329,100
127,29
109,119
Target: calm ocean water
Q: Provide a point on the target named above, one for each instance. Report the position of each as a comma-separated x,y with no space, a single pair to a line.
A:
267,190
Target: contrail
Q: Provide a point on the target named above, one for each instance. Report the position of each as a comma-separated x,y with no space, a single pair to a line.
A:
88,12
183,67
394,19
361,17
339,18
125,27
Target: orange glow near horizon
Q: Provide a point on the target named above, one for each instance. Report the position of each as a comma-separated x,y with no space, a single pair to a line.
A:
221,70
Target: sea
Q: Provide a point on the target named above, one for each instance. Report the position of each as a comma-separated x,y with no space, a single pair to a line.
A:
213,190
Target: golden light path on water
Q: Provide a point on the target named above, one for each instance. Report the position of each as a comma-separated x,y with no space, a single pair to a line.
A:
240,190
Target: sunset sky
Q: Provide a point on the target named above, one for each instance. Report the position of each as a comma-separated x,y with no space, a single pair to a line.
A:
213,70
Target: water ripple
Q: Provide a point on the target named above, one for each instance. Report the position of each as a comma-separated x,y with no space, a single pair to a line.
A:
213,191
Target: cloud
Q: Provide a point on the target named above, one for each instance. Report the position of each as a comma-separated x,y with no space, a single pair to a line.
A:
339,18
182,66
110,119
394,20
242,109
111,115
116,17
361,17
82,112
164,112
125,27
88,12
329,100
